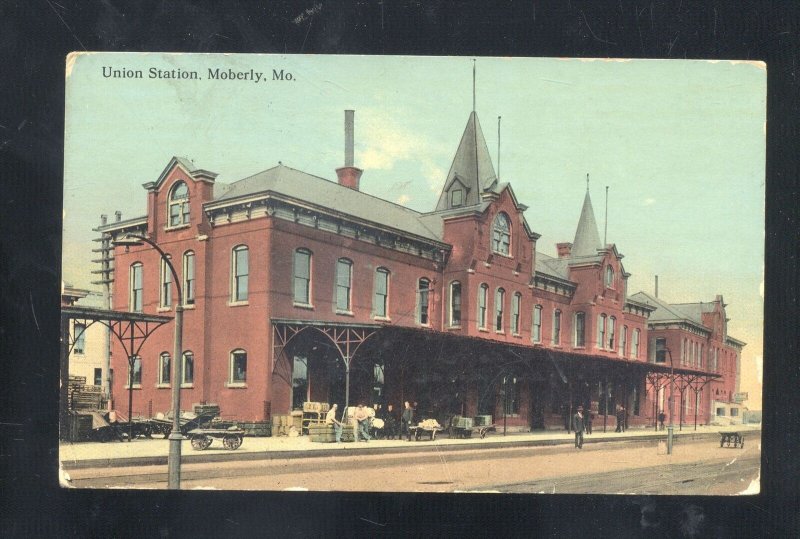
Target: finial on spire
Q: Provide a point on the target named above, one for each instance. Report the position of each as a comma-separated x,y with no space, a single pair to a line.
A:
587,181
473,85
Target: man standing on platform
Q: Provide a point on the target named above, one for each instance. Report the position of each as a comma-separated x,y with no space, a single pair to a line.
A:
330,419
579,426
406,420
362,422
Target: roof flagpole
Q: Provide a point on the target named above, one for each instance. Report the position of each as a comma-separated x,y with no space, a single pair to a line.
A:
498,147
473,85
587,182
605,231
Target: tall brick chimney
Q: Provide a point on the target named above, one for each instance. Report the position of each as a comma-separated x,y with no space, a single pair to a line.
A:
349,175
564,249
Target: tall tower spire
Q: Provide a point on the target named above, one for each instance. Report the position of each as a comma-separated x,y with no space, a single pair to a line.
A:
587,239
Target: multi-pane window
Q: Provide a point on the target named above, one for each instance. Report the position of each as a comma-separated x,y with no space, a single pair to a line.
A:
536,329
135,372
79,338
601,331
344,274
163,369
635,344
238,372
557,327
609,277
380,300
179,205
302,276
241,273
499,300
580,329
98,376
700,357
515,304
166,284
623,340
501,234
188,368
423,297
483,292
456,198
136,288
455,303
612,323
188,278
661,350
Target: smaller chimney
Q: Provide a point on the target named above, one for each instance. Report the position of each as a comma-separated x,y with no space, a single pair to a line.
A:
656,285
103,219
564,249
118,214
349,175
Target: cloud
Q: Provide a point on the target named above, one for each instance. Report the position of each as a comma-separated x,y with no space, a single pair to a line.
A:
403,199
649,202
388,143
434,175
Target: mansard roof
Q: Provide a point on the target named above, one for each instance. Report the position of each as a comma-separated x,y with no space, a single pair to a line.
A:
694,311
587,239
472,166
548,265
318,191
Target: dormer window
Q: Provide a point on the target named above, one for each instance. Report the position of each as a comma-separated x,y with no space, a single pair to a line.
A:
456,198
501,234
179,204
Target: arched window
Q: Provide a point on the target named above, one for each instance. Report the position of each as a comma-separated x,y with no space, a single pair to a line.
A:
601,331
380,298
501,234
612,327
188,278
344,280
136,287
179,204
455,303
423,296
536,329
483,292
302,276
240,273
166,284
580,329
238,368
515,306
499,300
163,369
609,277
557,327
187,372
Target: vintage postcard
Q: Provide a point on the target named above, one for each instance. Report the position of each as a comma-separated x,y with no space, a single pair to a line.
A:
412,274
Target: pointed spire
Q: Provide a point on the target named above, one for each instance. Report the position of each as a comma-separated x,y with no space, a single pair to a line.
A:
472,170
587,239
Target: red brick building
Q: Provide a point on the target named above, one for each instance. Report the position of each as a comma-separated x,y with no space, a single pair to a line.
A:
300,288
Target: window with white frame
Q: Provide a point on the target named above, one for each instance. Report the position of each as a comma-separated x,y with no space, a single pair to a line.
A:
501,234
240,273
700,357
238,367
601,331
635,343
166,284
135,372
380,298
188,278
557,327
609,277
611,332
516,300
455,303
344,280
683,351
483,292
499,300
187,373
661,350
136,287
423,299
456,198
79,338
163,369
302,276
623,341
179,204
580,329
536,329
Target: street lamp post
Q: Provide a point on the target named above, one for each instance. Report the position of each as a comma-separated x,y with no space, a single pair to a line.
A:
175,437
670,427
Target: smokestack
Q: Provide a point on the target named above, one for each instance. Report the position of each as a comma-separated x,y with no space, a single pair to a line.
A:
656,285
564,249
349,175
103,219
118,214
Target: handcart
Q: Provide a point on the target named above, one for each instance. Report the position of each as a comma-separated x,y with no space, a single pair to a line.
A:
107,426
202,438
734,439
464,427
162,424
429,426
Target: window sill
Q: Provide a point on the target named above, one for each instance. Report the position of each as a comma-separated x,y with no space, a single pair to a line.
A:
345,313
238,303
135,386
483,330
579,347
163,309
454,328
163,386
382,318
503,255
78,353
308,306
189,306
187,386
168,228
236,385
516,335
424,325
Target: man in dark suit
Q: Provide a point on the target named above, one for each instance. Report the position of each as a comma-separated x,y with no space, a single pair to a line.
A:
579,425
407,420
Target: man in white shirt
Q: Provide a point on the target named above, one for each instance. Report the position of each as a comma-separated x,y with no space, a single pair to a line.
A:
330,419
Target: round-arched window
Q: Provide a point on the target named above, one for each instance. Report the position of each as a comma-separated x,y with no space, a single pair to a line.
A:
179,204
501,234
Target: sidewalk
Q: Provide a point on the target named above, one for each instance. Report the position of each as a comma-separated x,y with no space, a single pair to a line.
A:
141,452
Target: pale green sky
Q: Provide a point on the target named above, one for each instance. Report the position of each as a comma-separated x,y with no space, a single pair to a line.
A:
681,144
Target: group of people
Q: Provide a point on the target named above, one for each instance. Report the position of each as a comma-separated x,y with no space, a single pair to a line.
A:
364,424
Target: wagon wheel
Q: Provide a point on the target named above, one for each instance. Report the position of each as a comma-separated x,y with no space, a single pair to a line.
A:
200,442
232,441
728,442
166,431
147,431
